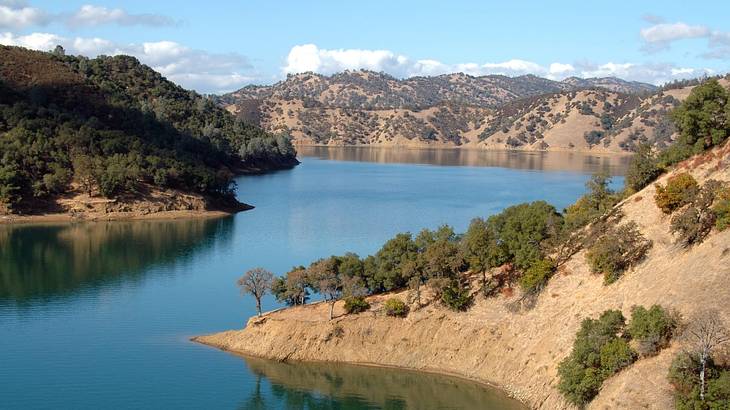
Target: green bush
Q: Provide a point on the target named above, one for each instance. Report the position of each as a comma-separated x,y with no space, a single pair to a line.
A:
693,223
599,199
722,209
616,251
643,169
718,391
680,191
395,307
615,355
598,352
456,296
652,328
536,277
356,304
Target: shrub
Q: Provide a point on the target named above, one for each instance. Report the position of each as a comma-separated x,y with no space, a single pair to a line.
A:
456,296
395,307
683,375
680,191
695,222
599,199
652,328
536,277
616,251
615,355
722,209
718,391
643,169
598,352
356,304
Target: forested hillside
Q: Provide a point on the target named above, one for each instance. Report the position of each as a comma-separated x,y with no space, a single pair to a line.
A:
112,127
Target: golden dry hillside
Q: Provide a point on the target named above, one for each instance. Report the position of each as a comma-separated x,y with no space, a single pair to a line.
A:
455,110
602,115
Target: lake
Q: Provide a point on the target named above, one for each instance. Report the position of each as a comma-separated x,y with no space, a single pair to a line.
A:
99,314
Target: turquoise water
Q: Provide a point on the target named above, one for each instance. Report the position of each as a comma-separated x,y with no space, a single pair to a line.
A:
98,315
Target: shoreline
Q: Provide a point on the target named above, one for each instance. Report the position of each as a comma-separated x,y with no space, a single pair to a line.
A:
435,371
13,219
468,148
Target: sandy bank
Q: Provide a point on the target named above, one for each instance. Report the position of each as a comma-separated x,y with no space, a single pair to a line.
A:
113,216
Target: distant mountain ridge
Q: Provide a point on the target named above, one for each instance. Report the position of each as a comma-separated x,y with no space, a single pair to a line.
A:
376,90
458,110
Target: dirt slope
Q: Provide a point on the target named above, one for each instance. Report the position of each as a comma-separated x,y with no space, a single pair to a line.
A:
519,350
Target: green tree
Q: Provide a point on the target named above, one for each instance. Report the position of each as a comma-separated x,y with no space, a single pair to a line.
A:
326,280
652,328
389,261
643,169
703,119
256,282
522,229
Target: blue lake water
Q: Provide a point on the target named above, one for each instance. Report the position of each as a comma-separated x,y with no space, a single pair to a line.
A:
98,315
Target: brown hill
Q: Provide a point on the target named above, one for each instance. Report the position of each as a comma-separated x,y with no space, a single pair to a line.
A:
520,350
457,110
603,115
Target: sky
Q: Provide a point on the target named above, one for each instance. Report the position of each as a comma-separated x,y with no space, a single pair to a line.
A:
220,46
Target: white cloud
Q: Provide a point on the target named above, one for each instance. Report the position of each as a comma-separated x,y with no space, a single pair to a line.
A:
660,36
36,41
309,57
17,15
653,73
558,70
195,69
512,67
90,15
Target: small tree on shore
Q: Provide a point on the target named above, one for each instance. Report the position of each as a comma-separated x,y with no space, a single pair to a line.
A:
325,278
257,282
705,334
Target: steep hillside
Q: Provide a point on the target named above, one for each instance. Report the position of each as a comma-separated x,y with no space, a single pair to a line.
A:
518,347
77,131
589,120
490,112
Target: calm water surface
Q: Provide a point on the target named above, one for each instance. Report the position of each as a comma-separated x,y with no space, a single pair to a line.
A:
98,315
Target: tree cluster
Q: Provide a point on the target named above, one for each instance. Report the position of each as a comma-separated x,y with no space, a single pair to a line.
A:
602,348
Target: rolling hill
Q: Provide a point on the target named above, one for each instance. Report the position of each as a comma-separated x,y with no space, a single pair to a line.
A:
606,115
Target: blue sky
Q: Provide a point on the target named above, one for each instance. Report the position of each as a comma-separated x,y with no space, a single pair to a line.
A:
223,45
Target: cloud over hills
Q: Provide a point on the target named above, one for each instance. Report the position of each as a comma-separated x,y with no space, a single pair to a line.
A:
310,57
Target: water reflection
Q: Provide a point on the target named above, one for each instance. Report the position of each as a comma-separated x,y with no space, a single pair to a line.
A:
47,261
544,161
328,385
